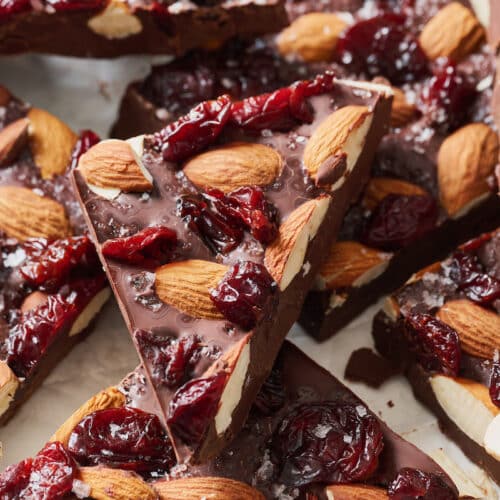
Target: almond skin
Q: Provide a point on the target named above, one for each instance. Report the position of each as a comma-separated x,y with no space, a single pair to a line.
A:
465,160
379,187
8,386
355,492
402,111
24,214
51,141
313,37
234,165
112,164
477,327
108,398
453,32
186,286
12,140
213,488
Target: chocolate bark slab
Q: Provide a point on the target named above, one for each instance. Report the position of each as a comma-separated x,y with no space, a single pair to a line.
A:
460,297
114,28
169,307
51,283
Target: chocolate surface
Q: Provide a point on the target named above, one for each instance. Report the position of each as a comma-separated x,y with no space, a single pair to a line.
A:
368,367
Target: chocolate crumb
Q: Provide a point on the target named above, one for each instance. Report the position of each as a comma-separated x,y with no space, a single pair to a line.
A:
368,367
390,403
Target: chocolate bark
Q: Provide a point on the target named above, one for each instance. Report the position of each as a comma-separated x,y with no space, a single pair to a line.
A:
51,283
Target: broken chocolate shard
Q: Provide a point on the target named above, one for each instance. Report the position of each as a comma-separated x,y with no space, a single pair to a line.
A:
367,367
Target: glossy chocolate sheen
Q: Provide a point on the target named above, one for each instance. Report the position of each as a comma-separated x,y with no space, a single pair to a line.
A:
134,288
247,458
184,26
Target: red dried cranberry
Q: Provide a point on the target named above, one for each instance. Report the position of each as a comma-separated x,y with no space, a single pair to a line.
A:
194,131
436,344
448,97
193,406
49,264
149,247
14,479
125,438
413,484
495,383
476,243
331,442
168,358
399,220
382,46
243,293
69,5
10,7
86,140
271,396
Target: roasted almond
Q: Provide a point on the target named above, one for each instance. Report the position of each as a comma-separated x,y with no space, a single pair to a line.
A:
234,165
24,214
402,111
108,398
313,37
5,96
350,263
379,187
477,327
52,142
114,165
465,160
115,484
186,285
355,492
334,147
453,32
213,488
284,258
8,386
12,140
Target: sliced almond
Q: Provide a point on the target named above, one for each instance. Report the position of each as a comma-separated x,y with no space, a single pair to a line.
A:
115,484
116,21
285,256
465,160
90,312
108,398
186,285
350,263
379,187
334,147
453,32
8,386
113,165
313,37
12,140
52,142
213,488
355,492
477,327
234,165
492,438
5,96
431,268
33,300
391,308
24,214
402,112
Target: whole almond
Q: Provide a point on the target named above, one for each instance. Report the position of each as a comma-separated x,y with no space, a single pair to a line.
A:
186,285
24,214
453,32
379,187
402,111
213,488
355,492
313,37
12,140
52,142
108,398
234,165
465,160
348,262
341,135
5,96
8,386
113,164
115,484
477,327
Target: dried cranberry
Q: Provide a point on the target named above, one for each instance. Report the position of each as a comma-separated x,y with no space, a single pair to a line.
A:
49,264
69,5
476,243
86,140
382,46
271,396
14,479
399,220
149,247
436,344
331,442
10,7
412,484
193,406
495,382
125,438
448,97
194,131
168,358
243,293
